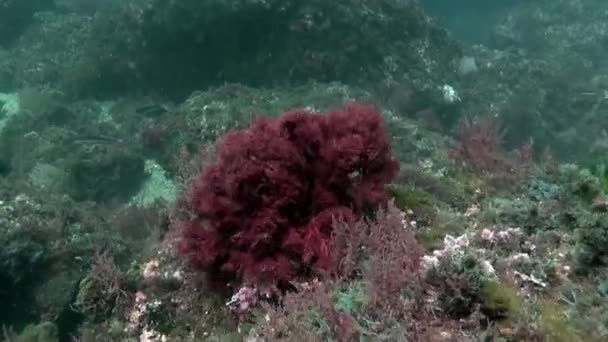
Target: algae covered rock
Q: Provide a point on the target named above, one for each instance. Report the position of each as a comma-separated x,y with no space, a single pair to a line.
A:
105,172
264,43
43,332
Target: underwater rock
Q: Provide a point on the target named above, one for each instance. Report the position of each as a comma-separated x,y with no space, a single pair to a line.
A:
43,332
257,43
103,172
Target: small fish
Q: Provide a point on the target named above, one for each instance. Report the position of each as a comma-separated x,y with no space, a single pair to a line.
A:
151,110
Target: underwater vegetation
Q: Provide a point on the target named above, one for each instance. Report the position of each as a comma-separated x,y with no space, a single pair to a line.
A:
288,170
600,170
264,212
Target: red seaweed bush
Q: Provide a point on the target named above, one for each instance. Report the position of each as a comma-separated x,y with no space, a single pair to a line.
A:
264,211
479,147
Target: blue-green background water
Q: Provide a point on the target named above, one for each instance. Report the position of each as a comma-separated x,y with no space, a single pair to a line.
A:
470,20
